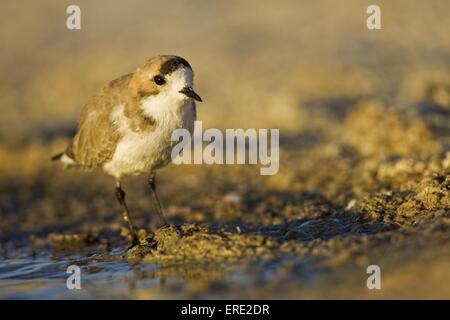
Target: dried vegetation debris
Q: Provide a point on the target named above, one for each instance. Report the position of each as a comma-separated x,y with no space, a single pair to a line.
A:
192,243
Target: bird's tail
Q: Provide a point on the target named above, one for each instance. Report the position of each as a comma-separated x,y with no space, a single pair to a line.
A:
57,157
66,160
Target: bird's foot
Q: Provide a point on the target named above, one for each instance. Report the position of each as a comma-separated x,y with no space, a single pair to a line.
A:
134,242
139,250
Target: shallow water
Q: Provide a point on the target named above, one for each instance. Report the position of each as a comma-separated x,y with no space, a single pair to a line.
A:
111,276
45,277
102,276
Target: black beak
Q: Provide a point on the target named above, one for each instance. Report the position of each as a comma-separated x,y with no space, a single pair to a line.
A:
188,91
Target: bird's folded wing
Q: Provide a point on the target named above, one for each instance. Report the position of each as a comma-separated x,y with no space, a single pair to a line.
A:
97,136
96,140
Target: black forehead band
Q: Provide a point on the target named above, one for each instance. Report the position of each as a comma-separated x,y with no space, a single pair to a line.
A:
173,64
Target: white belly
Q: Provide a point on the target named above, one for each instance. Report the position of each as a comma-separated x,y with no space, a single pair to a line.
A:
144,152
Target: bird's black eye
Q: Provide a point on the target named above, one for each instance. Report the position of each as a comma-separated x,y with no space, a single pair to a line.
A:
159,80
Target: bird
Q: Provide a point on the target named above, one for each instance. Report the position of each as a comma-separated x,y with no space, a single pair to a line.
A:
125,129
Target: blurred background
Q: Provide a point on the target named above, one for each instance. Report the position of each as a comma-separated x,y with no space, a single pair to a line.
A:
256,64
365,135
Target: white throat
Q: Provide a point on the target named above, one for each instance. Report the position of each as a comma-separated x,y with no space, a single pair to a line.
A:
169,101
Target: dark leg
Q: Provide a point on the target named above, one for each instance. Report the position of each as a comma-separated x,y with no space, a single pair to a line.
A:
157,204
120,195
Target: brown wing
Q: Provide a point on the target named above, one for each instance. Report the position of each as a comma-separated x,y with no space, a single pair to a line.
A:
97,136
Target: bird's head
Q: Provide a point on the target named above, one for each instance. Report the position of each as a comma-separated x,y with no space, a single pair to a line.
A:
164,78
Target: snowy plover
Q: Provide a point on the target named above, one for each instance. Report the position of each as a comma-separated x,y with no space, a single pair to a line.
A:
125,129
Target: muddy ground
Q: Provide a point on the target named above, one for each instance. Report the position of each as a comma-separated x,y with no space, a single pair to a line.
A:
336,207
364,173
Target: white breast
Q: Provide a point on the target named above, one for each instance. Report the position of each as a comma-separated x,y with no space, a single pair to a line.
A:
144,152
